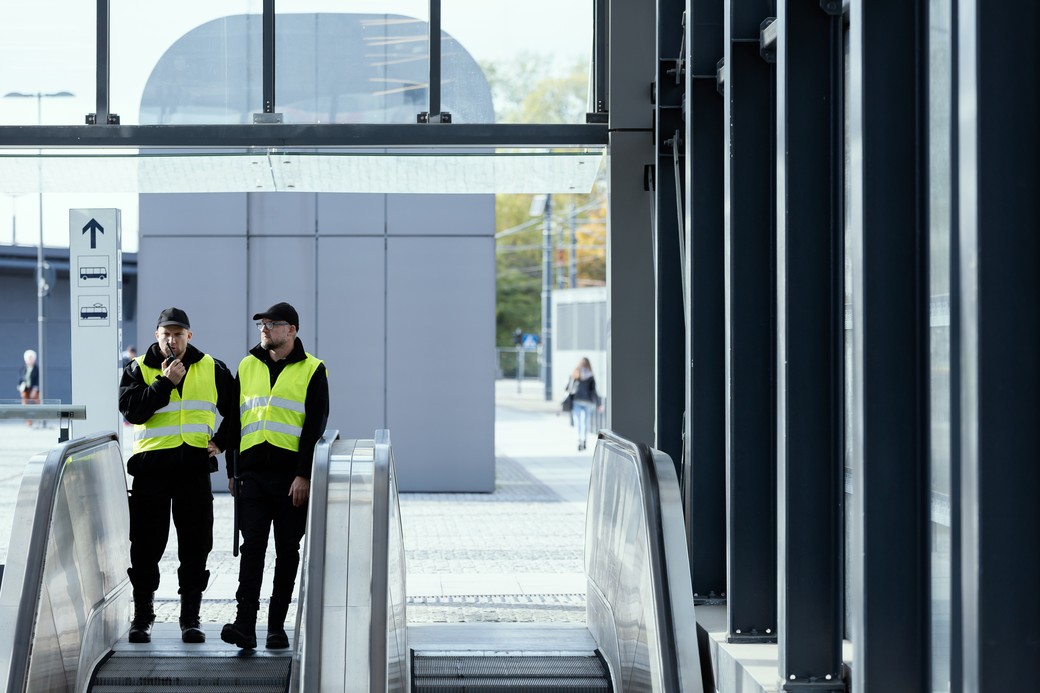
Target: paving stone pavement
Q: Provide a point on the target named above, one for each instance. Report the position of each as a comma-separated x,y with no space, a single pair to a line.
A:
515,555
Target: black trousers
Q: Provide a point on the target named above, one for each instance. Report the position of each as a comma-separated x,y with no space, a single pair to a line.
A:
188,497
263,501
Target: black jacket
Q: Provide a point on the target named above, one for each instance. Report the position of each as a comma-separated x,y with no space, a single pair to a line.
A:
29,377
139,400
271,458
584,390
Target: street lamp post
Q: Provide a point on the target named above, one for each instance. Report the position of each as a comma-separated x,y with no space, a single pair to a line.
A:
41,282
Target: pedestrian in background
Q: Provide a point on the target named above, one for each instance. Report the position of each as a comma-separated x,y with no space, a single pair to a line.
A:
284,396
29,380
129,355
172,395
582,385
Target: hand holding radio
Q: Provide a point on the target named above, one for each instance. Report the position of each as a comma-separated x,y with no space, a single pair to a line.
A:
172,368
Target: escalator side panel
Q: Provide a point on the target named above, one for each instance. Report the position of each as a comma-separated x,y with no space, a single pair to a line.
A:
65,598
639,599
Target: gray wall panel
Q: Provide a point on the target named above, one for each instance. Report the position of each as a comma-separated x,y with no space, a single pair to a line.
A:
186,214
283,269
441,214
212,292
351,214
352,332
441,370
282,214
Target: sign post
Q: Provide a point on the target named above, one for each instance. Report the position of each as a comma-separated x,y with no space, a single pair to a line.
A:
95,300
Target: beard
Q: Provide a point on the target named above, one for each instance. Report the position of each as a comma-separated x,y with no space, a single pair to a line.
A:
269,343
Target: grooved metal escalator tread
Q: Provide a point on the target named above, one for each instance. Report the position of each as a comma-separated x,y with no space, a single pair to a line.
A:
203,674
444,673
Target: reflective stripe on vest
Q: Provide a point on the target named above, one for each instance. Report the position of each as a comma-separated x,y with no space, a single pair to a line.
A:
191,415
274,415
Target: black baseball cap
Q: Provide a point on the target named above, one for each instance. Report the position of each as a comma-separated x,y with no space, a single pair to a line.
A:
280,311
173,316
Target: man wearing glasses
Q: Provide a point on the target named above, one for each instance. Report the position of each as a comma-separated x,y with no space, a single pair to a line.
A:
284,398
172,394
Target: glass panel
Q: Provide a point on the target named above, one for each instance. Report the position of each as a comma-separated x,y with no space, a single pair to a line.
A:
337,61
940,49
48,61
535,57
430,172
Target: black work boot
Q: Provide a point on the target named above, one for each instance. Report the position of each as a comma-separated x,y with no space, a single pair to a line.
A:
191,632
277,639
242,632
144,617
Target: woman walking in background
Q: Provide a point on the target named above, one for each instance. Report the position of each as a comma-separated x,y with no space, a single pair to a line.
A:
29,380
583,386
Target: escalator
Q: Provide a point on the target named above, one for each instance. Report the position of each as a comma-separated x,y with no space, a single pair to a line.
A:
66,600
640,633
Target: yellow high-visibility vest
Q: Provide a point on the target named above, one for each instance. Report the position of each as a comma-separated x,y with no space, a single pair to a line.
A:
276,414
191,415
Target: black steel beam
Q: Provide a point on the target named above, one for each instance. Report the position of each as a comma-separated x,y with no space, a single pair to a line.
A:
999,68
600,55
435,60
301,135
750,325
704,475
670,242
269,40
810,328
102,85
889,183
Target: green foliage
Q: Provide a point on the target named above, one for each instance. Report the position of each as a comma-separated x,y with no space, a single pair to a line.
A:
530,91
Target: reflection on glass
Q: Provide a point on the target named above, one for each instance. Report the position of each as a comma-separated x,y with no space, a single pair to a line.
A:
940,233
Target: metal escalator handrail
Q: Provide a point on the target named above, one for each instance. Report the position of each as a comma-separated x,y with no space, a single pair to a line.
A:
649,483
313,562
30,583
380,560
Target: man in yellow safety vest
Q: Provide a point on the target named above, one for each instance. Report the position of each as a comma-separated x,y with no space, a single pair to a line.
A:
172,394
284,406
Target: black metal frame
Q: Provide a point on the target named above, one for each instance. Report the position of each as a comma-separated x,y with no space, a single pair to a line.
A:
999,249
810,326
890,355
704,470
669,246
750,290
288,136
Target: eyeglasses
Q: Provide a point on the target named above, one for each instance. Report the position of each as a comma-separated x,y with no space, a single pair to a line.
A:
269,325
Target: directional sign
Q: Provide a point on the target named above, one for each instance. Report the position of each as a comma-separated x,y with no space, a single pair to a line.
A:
95,280
94,228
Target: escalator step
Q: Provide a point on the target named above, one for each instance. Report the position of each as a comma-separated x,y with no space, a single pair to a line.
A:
456,673
504,685
255,674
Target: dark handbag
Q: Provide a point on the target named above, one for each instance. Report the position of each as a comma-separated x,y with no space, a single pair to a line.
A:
568,403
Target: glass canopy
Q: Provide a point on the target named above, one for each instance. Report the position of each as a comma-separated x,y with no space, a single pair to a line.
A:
429,171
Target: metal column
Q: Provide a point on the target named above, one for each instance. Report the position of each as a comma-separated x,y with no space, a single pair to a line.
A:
999,209
888,188
750,289
810,356
704,475
670,243
630,268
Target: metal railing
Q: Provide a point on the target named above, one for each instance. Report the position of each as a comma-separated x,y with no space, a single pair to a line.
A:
639,598
65,596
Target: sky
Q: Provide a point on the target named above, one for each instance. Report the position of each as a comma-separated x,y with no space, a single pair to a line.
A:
47,46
